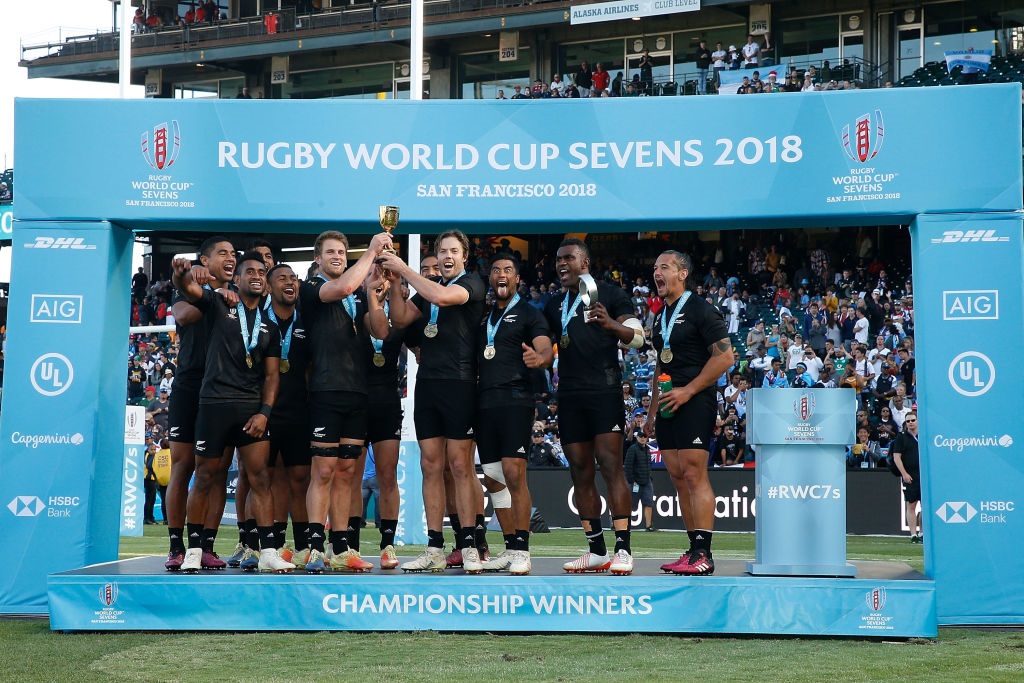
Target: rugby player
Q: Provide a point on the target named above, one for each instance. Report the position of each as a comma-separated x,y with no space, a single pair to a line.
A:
446,316
692,341
513,341
239,389
590,402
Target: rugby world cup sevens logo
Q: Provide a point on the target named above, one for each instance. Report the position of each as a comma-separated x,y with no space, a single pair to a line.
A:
163,152
803,407
863,147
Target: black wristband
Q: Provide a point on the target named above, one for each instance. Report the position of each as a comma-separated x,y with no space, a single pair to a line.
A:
266,409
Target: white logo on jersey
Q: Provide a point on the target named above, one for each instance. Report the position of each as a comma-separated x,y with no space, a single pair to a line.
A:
697,441
318,432
200,445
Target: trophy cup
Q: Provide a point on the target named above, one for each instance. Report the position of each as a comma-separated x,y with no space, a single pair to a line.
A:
588,293
388,221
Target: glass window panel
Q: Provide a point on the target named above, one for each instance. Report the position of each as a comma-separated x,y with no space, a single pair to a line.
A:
610,53
352,82
810,41
481,75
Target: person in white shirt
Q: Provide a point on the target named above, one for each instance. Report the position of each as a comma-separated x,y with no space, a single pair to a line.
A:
794,355
813,363
751,54
860,328
718,58
167,381
557,86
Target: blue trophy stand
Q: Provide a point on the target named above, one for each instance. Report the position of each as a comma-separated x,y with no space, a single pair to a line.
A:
800,436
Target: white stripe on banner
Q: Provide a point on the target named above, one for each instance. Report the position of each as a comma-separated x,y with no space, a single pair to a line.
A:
133,494
629,9
971,60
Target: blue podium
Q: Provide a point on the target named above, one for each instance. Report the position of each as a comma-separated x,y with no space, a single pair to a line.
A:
800,436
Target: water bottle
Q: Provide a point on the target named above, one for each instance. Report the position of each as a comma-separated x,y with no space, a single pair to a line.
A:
665,386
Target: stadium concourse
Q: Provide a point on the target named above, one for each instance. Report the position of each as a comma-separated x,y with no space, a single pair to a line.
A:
784,142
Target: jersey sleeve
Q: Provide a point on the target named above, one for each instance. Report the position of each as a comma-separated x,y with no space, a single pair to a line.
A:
537,324
273,341
205,302
618,303
475,286
713,327
552,315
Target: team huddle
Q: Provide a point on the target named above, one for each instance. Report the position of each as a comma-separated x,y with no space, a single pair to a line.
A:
304,375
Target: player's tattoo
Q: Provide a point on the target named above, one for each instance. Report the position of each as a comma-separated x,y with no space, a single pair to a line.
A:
719,347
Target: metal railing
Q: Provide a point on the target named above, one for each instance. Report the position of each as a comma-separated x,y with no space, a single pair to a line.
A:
359,16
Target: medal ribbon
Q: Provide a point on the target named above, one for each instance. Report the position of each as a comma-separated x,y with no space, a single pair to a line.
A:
434,308
286,338
248,343
568,313
378,344
492,330
666,327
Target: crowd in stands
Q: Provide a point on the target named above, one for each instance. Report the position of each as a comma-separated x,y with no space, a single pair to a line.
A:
199,12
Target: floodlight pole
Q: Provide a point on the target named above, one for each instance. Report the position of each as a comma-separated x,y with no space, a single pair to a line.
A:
415,93
124,60
416,52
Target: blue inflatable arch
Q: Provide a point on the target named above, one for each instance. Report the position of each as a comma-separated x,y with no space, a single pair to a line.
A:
946,161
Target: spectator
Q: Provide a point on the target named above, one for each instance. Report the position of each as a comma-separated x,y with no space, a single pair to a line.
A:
542,454
629,402
557,85
756,334
734,59
775,378
638,475
167,382
905,458
584,80
646,67
519,95
600,80
751,54
731,446
719,62
865,453
703,59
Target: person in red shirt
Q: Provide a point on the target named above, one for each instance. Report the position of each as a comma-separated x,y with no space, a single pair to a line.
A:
601,80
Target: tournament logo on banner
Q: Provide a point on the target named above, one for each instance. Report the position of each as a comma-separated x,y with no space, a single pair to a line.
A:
867,139
164,151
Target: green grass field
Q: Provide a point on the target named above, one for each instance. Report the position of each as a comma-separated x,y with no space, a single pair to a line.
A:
30,652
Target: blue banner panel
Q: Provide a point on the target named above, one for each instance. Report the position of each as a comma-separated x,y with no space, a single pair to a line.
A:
6,221
134,471
94,600
968,286
64,392
412,518
837,157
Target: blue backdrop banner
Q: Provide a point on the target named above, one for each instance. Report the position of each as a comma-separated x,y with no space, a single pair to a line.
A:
838,157
967,307
61,464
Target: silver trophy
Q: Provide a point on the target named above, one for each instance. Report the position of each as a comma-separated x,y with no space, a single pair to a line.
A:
588,294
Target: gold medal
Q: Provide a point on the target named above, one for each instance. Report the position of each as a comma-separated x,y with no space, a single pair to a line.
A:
285,365
248,360
666,355
378,360
489,352
430,331
564,341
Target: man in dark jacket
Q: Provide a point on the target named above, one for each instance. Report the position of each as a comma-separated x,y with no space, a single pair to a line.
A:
638,475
